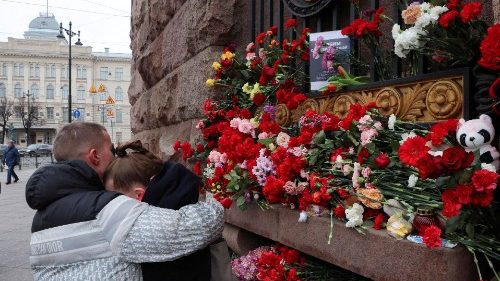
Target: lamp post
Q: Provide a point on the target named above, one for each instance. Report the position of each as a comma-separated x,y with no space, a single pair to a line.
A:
70,34
28,118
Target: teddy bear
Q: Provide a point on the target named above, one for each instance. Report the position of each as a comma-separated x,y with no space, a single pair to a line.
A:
477,134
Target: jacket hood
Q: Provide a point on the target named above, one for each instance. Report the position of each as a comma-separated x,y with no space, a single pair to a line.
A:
52,182
173,188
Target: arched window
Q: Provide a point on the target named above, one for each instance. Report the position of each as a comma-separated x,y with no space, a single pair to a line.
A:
65,92
119,93
81,93
2,90
34,91
50,92
18,90
103,96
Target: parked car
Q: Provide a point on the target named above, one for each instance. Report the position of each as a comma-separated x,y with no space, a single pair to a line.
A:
39,149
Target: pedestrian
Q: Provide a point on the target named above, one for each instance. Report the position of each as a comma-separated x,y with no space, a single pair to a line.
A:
83,232
11,158
141,175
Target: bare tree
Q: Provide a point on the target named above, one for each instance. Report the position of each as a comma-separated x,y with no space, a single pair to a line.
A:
27,109
6,111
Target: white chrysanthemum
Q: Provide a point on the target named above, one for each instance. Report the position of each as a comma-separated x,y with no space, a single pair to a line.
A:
391,122
412,181
354,215
436,12
303,216
396,30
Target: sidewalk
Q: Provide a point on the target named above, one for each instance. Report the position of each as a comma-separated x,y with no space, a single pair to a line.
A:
15,225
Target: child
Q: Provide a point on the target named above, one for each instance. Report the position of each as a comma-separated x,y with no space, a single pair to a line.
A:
143,176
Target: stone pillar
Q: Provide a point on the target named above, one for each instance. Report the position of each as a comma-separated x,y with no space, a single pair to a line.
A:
496,11
174,43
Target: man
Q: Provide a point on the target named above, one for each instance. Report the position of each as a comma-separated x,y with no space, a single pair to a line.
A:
82,232
11,158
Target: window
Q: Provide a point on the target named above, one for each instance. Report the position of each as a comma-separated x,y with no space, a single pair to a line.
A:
81,93
104,73
119,93
102,96
50,113
2,90
16,69
119,116
34,91
119,74
50,70
65,92
18,90
118,138
78,71
64,71
19,111
4,69
50,92
65,114
84,72
21,70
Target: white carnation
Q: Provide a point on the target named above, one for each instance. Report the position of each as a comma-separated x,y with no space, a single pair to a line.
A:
391,122
354,215
412,181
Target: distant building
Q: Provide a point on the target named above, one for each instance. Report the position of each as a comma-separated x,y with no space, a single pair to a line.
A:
39,64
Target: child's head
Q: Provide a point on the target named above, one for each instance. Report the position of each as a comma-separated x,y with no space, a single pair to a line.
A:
131,172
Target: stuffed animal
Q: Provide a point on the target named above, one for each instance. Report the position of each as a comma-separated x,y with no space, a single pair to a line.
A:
477,134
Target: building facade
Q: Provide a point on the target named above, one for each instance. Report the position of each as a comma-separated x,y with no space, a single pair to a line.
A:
36,68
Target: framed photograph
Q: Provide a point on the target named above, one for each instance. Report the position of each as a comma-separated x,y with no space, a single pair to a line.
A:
328,50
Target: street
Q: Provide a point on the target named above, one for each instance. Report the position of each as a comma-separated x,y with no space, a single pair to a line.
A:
15,224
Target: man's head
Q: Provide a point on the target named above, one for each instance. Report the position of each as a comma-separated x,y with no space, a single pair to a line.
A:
11,144
84,141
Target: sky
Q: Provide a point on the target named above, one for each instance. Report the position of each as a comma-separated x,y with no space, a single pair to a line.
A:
101,23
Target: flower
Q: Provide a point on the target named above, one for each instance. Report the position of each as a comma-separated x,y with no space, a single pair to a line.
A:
448,17
412,181
484,180
382,160
377,223
397,226
177,145
227,56
282,139
411,13
354,215
432,237
412,150
210,83
391,122
290,23
470,11
216,65
370,197
455,158
490,49
339,212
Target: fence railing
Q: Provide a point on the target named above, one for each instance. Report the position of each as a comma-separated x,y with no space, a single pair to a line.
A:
33,160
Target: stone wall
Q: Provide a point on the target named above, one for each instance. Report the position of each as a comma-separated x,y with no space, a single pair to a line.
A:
173,44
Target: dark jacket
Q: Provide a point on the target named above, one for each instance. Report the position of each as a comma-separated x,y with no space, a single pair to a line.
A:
11,156
65,193
175,187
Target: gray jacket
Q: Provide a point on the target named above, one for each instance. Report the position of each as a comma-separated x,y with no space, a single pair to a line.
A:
124,234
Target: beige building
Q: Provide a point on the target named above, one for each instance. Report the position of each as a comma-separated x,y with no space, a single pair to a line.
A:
36,67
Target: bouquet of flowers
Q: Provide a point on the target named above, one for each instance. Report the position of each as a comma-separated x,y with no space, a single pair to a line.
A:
364,168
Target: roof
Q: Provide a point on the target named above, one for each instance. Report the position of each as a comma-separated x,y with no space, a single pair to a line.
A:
44,26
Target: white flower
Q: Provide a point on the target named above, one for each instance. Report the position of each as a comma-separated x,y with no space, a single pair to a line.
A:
391,122
435,152
200,125
489,167
245,126
338,160
235,123
347,169
304,174
282,139
209,171
412,181
406,136
354,215
303,216
263,135
256,196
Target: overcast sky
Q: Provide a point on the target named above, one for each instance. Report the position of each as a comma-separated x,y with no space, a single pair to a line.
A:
102,23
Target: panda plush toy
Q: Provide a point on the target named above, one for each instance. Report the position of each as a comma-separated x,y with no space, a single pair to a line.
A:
477,134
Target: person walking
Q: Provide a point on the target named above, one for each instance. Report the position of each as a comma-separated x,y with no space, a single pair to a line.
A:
11,158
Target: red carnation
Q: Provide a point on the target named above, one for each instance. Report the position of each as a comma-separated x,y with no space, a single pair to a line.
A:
447,18
412,150
339,212
382,160
484,180
343,194
463,193
266,75
470,11
187,150
432,237
490,49
290,23
259,99
451,206
453,4
177,145
196,168
482,199
226,202
377,223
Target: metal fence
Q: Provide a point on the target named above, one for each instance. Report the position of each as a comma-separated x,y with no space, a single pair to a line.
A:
33,161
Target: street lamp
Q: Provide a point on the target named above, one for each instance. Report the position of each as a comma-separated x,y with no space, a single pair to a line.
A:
28,118
78,43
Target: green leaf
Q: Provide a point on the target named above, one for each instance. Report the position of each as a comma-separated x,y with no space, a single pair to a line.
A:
266,141
371,147
320,137
469,229
313,156
465,177
240,201
395,146
452,224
